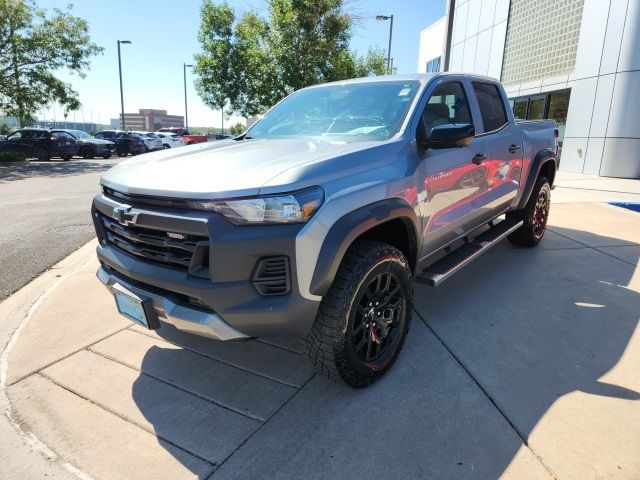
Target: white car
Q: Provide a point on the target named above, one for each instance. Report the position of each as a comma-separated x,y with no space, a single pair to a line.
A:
170,140
151,140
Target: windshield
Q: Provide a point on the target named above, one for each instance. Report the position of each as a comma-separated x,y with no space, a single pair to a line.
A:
81,134
354,112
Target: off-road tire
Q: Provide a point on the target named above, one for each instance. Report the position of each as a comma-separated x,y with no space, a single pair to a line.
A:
532,231
329,345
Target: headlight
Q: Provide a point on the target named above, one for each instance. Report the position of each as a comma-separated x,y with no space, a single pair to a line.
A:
296,207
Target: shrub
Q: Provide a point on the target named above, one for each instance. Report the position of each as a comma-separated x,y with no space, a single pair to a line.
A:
6,157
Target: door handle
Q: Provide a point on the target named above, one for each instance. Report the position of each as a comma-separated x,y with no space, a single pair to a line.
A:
514,148
479,158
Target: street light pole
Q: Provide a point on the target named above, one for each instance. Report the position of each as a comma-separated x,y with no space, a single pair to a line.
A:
125,42
186,115
388,17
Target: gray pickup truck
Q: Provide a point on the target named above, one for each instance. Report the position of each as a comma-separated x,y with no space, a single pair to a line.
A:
316,222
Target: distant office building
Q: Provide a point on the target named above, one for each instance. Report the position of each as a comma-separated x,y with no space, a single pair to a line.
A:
151,120
432,41
574,61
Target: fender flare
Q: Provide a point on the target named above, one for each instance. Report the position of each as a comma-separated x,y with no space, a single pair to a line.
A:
348,228
541,158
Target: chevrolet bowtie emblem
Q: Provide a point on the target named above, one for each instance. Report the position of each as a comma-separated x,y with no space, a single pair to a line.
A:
123,215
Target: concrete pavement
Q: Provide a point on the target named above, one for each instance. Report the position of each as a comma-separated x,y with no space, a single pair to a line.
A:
536,374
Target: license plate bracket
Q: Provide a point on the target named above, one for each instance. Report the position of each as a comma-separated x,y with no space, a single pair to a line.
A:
135,307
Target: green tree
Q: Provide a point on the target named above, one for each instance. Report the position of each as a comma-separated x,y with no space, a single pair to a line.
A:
34,44
246,65
237,129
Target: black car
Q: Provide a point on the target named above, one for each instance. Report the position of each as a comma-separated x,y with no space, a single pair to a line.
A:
90,147
40,143
126,142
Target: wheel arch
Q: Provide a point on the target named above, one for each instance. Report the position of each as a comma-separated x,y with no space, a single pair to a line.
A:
392,221
544,163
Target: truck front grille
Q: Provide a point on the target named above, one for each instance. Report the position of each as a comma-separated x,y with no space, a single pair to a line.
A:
171,249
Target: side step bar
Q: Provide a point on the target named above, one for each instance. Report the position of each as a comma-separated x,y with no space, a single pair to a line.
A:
438,272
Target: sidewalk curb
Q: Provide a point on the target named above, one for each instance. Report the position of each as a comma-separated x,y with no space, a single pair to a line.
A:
15,313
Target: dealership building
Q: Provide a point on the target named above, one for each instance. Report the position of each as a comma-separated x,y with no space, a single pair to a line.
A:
574,61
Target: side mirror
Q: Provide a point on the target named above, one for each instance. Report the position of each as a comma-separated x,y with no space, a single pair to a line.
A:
448,136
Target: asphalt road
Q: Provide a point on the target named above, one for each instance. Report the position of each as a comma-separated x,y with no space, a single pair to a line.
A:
44,215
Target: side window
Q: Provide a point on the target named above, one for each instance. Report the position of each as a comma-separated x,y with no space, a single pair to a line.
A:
447,104
15,136
491,106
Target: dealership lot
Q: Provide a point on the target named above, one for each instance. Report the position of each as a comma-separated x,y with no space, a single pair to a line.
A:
534,375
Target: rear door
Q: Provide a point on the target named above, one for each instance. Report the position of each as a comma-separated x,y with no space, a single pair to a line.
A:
504,144
452,177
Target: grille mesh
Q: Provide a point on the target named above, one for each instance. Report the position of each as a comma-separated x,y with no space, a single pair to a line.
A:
151,245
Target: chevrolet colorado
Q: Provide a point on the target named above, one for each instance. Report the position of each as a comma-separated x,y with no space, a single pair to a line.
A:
316,222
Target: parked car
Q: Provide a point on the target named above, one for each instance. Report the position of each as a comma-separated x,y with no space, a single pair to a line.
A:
186,136
152,141
316,222
126,142
41,144
170,140
90,147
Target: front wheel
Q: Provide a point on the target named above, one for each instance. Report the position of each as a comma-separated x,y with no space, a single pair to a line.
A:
87,153
363,320
535,215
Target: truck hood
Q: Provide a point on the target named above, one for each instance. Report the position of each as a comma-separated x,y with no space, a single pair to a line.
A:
221,169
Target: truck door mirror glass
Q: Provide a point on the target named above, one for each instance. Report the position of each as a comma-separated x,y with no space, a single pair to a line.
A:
450,136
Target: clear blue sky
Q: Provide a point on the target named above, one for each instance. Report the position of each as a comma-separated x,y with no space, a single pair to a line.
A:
164,35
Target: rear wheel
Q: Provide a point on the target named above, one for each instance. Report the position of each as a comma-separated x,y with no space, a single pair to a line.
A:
534,214
165,146
42,155
363,320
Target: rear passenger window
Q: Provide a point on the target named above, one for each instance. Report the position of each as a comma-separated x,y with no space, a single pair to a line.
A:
447,104
491,106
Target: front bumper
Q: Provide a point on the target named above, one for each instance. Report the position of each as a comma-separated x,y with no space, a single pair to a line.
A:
217,298
105,149
206,324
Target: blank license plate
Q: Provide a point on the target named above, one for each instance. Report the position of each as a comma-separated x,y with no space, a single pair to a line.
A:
131,308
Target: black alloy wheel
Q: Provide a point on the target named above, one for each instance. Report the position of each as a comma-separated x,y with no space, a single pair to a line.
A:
376,318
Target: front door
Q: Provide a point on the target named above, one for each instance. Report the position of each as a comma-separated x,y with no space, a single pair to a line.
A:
452,177
65,143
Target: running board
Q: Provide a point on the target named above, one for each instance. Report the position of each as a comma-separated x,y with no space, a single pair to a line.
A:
438,272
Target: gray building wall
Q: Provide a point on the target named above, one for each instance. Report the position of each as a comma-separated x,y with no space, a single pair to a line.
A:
602,135
603,124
